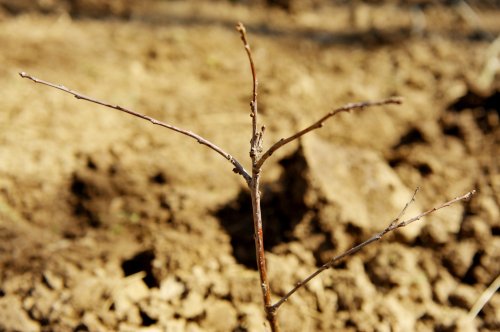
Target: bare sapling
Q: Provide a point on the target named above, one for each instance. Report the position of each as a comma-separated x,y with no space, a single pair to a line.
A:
258,157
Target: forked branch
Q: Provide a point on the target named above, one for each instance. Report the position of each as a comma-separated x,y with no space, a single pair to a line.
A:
254,185
318,124
238,168
395,224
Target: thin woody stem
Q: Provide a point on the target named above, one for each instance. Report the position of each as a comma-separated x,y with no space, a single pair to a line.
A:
320,122
260,254
255,150
395,224
238,168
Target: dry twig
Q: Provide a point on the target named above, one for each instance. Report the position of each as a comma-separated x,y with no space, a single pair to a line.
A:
238,168
318,124
395,224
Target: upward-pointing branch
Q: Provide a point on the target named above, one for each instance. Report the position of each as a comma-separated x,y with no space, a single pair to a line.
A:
238,168
393,225
256,141
320,122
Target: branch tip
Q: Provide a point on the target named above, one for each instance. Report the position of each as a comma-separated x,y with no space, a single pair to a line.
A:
395,100
469,195
241,28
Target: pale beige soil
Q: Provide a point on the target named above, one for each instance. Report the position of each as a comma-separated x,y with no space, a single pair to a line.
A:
108,223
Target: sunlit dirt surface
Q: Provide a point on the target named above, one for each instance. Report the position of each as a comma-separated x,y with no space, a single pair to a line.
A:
108,223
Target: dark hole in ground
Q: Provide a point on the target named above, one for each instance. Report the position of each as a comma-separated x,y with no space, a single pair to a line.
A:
424,169
43,321
350,322
413,136
93,219
91,164
158,178
80,188
81,328
469,277
453,130
353,229
146,320
83,192
473,100
282,206
485,109
326,246
142,261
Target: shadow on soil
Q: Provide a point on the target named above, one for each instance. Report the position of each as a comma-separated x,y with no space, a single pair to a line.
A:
282,205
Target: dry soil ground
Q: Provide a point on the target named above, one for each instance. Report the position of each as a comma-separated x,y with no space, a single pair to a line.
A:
108,223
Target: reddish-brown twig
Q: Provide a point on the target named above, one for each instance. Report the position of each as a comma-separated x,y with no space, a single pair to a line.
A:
395,224
320,122
238,168
255,150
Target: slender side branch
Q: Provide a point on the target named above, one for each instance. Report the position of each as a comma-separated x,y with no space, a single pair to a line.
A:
395,224
238,168
318,124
